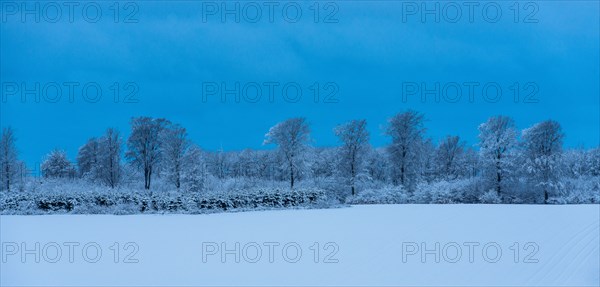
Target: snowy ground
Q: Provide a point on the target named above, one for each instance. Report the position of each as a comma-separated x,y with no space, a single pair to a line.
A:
361,245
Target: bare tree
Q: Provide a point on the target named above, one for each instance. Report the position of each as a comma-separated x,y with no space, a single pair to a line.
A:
377,164
194,173
355,143
246,164
449,155
87,158
9,164
219,164
109,158
175,146
407,132
593,165
324,162
471,162
144,145
427,162
542,149
291,137
497,138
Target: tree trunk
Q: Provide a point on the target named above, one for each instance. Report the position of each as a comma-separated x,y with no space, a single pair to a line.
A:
402,174
149,177
7,169
177,176
291,177
111,173
498,177
498,180
402,168
352,178
7,181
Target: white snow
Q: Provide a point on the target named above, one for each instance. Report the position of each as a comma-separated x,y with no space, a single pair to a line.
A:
370,241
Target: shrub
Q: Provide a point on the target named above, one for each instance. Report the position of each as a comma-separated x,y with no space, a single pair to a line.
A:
582,191
443,192
490,197
386,195
129,202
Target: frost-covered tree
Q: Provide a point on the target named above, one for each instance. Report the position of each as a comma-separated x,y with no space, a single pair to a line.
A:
542,145
324,162
471,162
291,137
354,137
57,165
407,132
576,162
594,162
22,174
144,145
87,158
108,167
449,155
9,163
194,171
221,164
245,164
497,139
174,147
377,165
99,159
266,164
218,164
428,162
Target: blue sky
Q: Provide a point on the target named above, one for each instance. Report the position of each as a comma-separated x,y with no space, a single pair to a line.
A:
368,54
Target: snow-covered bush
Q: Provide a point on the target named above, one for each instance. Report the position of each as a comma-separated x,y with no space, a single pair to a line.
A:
440,192
490,197
387,195
582,190
71,198
336,190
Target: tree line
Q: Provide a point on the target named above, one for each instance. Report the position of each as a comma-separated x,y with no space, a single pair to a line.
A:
160,149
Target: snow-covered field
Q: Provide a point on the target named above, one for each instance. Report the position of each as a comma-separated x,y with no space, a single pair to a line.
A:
360,245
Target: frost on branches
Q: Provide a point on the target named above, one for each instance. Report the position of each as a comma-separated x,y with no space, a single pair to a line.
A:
159,169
